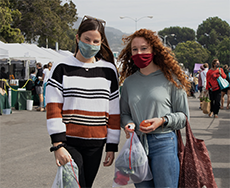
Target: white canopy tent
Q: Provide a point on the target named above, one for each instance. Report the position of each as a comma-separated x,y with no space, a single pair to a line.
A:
65,52
27,54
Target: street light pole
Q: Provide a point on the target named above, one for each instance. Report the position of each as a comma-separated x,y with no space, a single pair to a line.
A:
164,37
135,20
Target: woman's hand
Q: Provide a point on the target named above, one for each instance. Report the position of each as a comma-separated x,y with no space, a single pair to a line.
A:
109,158
128,131
155,123
62,156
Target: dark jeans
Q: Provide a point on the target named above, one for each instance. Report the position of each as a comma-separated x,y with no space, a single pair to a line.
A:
215,97
88,161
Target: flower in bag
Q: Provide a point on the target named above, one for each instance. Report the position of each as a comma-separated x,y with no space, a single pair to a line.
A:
121,179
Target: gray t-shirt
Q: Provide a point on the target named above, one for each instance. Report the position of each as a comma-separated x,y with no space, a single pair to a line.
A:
148,96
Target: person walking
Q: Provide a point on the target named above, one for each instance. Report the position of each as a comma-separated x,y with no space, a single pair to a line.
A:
83,103
154,90
213,87
226,90
45,76
196,81
200,87
38,86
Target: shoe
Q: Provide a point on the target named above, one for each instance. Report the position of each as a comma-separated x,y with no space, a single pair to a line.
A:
221,107
227,107
42,109
210,114
215,116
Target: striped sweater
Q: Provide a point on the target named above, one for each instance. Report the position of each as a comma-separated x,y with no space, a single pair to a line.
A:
83,104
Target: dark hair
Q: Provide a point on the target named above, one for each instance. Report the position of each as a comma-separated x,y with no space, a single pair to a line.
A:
225,66
39,64
213,62
94,24
3,69
205,65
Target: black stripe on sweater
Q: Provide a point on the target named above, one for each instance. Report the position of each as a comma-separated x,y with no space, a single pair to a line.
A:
103,72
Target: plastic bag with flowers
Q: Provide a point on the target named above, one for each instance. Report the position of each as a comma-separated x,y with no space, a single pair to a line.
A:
131,165
67,176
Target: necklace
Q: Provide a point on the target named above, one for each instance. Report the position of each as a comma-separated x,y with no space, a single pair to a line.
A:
94,60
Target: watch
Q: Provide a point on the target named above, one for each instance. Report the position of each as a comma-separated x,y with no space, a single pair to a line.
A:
165,120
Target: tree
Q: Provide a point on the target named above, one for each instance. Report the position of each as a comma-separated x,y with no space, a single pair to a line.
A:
191,52
46,19
179,35
211,32
223,51
7,17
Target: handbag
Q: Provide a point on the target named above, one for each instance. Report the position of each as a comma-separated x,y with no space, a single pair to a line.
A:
206,104
223,83
195,164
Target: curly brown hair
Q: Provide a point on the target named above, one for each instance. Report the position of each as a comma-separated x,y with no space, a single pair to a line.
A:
163,57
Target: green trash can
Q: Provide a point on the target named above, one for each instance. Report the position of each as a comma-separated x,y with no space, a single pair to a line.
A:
14,95
22,97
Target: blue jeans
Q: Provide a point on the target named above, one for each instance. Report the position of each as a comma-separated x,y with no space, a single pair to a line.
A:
44,94
163,161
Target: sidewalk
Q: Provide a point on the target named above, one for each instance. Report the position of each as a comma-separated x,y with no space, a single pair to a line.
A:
25,160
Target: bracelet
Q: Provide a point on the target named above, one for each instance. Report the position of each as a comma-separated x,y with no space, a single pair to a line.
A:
55,148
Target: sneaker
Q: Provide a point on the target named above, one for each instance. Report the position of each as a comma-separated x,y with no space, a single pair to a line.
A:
215,116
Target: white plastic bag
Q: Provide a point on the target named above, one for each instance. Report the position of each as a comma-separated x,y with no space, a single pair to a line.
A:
67,176
131,165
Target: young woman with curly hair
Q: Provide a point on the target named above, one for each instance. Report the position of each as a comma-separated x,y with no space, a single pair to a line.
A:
154,90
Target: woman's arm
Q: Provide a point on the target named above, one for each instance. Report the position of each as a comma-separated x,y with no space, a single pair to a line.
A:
222,73
55,126
180,110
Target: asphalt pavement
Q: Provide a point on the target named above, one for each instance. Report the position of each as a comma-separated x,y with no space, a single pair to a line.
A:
26,162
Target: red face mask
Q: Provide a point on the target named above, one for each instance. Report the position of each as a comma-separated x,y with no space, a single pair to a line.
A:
142,60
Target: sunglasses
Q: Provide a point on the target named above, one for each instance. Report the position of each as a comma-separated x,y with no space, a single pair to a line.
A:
93,18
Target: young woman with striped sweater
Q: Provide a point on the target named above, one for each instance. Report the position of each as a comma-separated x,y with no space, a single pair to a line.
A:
83,103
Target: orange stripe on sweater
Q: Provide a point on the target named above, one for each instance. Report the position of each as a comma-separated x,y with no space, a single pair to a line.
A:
114,122
54,110
86,131
86,113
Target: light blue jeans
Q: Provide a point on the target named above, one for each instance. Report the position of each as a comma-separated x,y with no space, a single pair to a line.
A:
44,94
163,161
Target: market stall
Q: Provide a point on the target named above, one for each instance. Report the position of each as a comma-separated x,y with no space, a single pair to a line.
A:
18,60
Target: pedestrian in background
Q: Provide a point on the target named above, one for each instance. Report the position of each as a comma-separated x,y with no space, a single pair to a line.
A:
39,87
45,76
192,86
213,87
154,90
83,103
196,81
3,75
226,90
200,87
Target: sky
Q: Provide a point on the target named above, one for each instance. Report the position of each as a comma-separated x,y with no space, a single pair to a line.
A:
166,13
